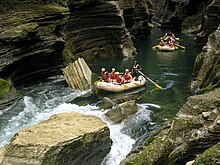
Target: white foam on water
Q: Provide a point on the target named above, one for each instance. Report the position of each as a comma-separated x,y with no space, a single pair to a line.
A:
170,74
148,105
35,111
169,84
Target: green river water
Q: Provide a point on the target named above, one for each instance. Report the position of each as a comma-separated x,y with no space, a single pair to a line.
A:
171,70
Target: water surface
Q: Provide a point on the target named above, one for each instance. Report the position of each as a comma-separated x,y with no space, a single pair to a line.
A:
171,70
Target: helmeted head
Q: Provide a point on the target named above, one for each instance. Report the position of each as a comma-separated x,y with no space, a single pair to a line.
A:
135,62
103,69
113,69
126,70
117,73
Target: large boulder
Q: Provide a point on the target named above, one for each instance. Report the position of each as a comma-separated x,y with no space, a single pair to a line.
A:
185,137
67,138
122,111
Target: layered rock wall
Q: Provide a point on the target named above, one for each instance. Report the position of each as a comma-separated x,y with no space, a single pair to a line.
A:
31,41
137,16
210,22
199,17
38,38
206,73
95,29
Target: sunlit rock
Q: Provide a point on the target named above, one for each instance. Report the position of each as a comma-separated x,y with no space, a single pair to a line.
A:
67,138
78,75
2,150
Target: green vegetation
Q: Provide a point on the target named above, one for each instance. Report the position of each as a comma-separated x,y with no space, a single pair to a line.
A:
210,156
5,88
68,52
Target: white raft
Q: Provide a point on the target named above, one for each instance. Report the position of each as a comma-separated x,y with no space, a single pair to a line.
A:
113,87
166,48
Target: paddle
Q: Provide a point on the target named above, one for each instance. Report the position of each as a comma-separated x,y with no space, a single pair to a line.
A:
156,46
179,46
158,86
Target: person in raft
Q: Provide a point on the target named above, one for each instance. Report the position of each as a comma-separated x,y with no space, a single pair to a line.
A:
162,43
112,75
127,76
170,43
119,78
135,70
105,76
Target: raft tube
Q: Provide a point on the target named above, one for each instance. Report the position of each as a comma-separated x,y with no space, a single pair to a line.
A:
166,48
113,87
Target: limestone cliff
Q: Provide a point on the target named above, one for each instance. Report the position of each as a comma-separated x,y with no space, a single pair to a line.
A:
206,73
137,15
97,29
38,38
198,17
31,41
65,139
193,134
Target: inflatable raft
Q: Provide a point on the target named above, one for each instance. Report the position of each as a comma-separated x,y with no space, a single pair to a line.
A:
166,48
113,87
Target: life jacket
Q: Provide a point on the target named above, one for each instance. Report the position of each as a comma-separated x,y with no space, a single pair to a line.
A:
105,76
170,43
136,68
162,43
119,79
127,76
113,75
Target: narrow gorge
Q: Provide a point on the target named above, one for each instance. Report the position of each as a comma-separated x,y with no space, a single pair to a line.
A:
39,38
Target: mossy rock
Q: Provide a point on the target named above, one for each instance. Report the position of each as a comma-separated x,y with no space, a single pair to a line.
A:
5,88
68,52
210,156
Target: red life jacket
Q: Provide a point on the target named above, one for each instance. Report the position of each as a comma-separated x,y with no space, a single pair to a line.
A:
119,79
105,76
162,43
127,76
113,75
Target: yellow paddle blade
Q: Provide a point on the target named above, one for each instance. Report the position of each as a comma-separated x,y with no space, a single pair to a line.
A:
156,46
158,86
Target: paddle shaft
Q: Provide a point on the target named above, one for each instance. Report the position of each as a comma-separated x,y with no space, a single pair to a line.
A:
158,86
180,46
